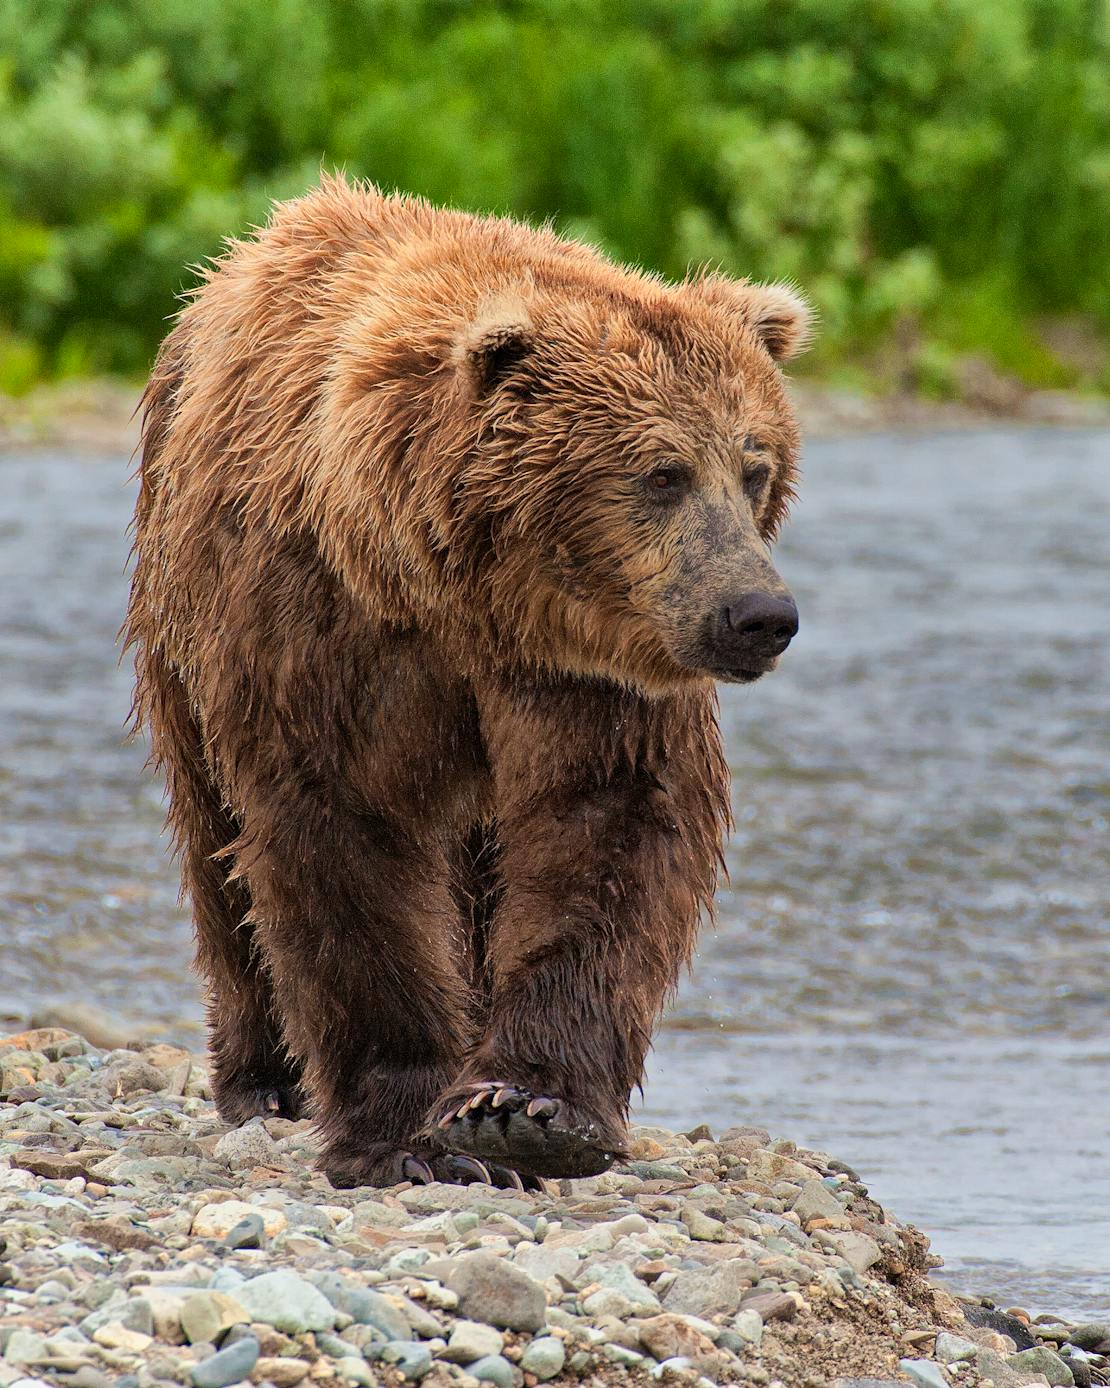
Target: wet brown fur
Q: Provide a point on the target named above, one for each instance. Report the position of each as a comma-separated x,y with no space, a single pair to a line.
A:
414,654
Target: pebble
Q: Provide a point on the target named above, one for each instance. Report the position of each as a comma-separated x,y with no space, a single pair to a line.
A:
250,1145
188,1252
1042,1360
952,1348
228,1366
706,1291
207,1316
924,1372
248,1232
354,1371
283,1373
491,1290
544,1357
217,1221
287,1302
412,1358
472,1340
494,1368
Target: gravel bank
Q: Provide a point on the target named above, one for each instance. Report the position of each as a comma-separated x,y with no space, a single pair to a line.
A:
142,1242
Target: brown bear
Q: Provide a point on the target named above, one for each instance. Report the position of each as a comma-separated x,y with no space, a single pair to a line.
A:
446,528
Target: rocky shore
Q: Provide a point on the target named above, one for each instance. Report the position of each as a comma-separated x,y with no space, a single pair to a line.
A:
142,1242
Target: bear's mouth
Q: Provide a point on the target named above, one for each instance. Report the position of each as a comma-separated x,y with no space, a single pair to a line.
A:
743,674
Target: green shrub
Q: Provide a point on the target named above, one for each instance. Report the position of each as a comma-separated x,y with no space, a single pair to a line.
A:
928,169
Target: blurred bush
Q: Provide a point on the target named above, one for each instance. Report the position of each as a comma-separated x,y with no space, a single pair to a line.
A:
936,173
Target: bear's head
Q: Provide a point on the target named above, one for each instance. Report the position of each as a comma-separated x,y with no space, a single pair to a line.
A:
635,456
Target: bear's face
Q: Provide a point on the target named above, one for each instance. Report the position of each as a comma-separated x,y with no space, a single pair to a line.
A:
646,454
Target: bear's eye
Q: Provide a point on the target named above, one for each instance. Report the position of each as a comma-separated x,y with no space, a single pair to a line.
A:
669,482
756,481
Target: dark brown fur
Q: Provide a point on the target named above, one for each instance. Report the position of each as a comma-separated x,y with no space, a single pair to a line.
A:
420,664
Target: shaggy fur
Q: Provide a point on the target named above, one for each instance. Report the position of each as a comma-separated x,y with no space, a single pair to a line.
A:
435,514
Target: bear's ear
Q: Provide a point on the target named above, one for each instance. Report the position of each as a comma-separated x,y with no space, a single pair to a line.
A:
499,336
777,313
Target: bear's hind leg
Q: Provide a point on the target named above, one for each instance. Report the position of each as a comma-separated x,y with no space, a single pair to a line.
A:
252,1073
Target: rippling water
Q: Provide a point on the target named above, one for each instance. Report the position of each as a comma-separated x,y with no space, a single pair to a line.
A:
912,966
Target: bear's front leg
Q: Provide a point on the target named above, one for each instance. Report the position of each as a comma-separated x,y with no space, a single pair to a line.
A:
611,809
356,923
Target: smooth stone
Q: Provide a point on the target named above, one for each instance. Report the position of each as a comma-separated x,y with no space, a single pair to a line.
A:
671,1337
366,1307
924,1372
816,1201
228,1366
619,1277
492,1290
544,1357
859,1251
771,1167
355,1371
1091,1335
280,1371
952,1348
472,1340
287,1302
217,1221
708,1291
134,1312
749,1326
1042,1360
705,1228
247,1233
116,1336
25,1347
250,1145
410,1356
493,1369
207,1316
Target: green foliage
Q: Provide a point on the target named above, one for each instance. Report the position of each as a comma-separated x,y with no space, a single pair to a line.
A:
935,172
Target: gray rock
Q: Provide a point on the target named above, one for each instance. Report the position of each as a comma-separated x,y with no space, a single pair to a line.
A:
230,1365
1042,1360
247,1233
816,1201
250,1145
354,1371
412,1358
620,1278
25,1347
365,1307
493,1369
492,1290
951,1348
544,1357
748,1325
708,1291
472,1340
206,1317
287,1302
924,1372
1092,1335
371,1308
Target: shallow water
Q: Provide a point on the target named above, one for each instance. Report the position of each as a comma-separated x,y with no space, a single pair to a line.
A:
912,967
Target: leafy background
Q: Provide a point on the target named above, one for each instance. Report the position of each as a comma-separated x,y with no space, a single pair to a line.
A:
936,173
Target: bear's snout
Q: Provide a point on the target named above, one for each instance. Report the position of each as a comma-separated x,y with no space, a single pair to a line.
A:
751,630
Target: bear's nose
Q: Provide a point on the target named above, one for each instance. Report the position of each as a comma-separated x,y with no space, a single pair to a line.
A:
765,622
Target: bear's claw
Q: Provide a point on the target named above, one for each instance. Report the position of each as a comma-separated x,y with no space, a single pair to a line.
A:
452,1168
531,1133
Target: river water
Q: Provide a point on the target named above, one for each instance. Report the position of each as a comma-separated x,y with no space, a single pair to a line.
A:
911,967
